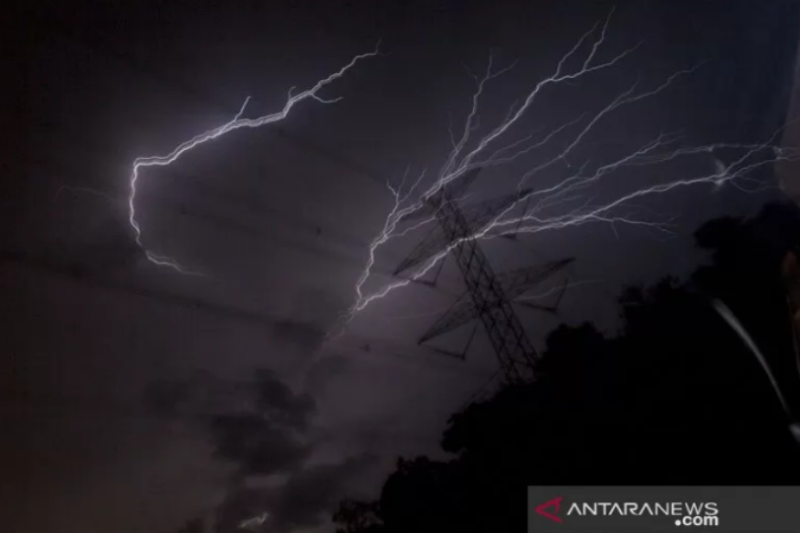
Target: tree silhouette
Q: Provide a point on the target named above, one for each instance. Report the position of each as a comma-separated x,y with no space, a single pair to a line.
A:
675,397
357,517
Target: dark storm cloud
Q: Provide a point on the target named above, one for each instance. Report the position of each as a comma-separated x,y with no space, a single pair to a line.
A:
314,491
326,368
304,336
266,438
270,442
257,445
318,306
91,233
167,398
204,394
200,394
280,404
255,426
304,499
314,312
240,505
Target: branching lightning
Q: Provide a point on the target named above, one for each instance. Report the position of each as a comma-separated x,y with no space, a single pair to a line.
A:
236,123
539,201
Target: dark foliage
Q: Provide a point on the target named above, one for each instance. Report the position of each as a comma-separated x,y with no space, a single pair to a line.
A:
357,517
675,397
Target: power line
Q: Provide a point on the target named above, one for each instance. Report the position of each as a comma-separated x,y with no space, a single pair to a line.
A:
184,180
226,312
491,295
227,223
281,133
76,274
250,231
179,300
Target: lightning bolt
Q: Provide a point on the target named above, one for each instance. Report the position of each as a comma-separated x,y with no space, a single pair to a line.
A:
494,150
234,124
252,523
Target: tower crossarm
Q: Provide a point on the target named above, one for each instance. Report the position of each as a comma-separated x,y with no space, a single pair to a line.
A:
517,282
481,214
514,350
513,284
462,312
434,242
453,191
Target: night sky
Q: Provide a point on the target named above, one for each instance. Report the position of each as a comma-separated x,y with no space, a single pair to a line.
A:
280,219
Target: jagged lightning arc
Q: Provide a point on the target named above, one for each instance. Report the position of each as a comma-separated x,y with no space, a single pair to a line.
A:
536,201
255,522
236,123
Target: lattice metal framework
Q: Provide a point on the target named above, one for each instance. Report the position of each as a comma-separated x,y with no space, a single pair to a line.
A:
488,296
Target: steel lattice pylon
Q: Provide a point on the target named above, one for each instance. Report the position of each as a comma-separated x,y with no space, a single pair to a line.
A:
488,297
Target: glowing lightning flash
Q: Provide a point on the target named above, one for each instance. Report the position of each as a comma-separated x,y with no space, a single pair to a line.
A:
255,522
236,123
533,220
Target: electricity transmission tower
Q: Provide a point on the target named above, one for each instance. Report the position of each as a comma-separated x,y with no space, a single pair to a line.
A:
488,297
